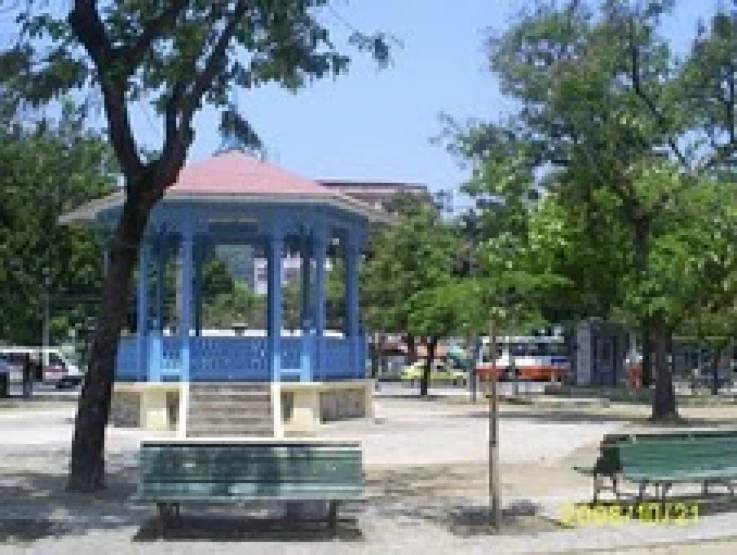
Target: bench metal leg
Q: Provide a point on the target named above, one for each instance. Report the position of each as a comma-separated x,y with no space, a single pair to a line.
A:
597,487
333,516
664,488
615,487
163,510
641,490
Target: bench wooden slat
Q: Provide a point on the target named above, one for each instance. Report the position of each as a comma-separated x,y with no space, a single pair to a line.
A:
172,472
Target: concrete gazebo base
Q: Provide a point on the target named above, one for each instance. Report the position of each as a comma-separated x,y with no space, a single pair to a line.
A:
301,407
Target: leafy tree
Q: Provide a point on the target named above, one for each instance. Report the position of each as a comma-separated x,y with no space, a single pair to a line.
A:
240,305
603,104
335,294
175,56
408,263
216,278
46,168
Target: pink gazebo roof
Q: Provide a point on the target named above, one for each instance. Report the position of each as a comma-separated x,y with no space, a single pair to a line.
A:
236,173
236,176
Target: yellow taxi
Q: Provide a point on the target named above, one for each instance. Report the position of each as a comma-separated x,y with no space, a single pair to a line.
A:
441,373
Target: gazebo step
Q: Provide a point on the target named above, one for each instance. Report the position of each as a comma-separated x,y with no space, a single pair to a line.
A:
223,393
229,409
225,419
229,387
230,432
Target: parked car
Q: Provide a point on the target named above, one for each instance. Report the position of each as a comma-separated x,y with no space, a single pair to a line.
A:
48,365
440,373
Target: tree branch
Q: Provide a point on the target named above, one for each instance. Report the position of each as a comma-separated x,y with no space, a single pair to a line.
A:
134,53
182,104
212,65
87,26
89,29
651,106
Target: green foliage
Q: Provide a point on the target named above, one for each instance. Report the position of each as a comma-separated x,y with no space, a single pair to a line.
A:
409,261
238,306
633,151
216,278
45,170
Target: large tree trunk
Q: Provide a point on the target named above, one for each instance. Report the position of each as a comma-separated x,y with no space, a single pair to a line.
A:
87,472
642,254
664,402
425,382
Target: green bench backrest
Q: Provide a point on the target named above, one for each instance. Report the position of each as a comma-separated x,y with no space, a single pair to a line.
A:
678,456
251,470
609,462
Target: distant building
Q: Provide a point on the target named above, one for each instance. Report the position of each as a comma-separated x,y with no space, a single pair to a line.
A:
376,193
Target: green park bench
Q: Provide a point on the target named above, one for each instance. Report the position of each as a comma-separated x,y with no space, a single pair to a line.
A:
664,459
173,472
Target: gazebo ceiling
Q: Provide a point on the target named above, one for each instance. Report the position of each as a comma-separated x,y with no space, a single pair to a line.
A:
234,176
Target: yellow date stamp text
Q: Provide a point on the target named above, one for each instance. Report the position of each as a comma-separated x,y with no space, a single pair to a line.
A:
678,513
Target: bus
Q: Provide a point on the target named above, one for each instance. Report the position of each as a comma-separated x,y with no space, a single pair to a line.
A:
531,358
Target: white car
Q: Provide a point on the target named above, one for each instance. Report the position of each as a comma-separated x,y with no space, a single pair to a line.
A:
47,364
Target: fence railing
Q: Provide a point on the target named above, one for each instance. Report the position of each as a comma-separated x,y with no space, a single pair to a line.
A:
242,358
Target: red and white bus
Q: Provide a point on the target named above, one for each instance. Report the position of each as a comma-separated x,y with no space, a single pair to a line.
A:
534,358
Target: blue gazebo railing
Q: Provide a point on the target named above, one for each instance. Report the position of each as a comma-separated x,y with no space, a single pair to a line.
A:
244,358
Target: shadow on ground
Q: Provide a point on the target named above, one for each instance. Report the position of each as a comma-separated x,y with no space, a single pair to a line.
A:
35,506
243,529
587,416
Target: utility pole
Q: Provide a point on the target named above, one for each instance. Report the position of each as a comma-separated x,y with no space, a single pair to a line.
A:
495,502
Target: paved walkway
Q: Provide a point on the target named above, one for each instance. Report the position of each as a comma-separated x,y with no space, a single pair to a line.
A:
426,484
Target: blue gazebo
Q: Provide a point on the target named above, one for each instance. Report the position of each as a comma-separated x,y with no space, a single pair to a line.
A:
236,199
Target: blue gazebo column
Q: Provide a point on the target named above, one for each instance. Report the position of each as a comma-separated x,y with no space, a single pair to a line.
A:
199,255
306,317
352,260
156,353
142,309
275,248
185,320
320,248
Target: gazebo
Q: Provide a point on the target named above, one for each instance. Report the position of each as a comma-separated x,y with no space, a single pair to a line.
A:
308,375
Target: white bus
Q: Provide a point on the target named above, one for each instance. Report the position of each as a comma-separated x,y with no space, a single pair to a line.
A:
533,358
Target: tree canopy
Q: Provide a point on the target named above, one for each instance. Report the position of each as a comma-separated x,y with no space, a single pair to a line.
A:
614,164
46,168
